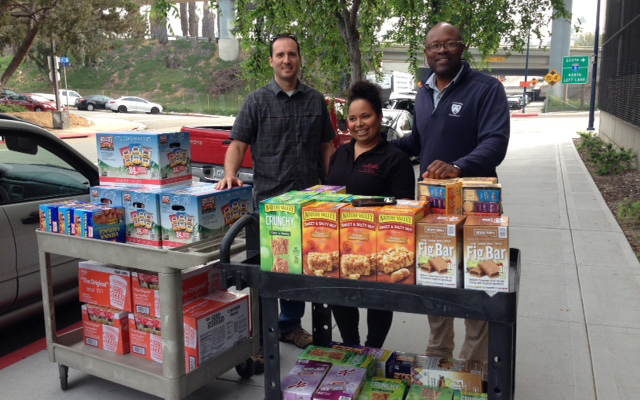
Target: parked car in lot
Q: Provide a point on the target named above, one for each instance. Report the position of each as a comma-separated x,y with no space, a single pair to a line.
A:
133,104
69,97
31,102
35,167
402,101
6,92
90,103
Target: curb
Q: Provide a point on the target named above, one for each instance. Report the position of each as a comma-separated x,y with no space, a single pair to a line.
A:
516,115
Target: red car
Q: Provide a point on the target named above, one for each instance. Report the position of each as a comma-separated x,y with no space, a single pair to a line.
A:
31,102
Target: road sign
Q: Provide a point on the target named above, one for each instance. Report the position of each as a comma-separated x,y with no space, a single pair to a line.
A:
64,61
575,70
51,76
525,84
552,77
495,59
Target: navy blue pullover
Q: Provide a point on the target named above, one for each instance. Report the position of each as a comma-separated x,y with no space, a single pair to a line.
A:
469,128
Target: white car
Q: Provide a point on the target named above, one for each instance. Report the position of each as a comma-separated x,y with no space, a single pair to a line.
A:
134,104
70,101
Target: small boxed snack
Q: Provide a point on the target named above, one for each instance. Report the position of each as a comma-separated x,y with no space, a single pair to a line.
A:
326,189
488,180
324,354
480,198
399,366
105,328
321,239
359,361
350,348
142,216
341,383
417,392
486,253
148,158
332,197
443,195
397,242
281,234
100,222
378,388
303,379
439,250
382,358
358,243
145,334
458,395
49,216
109,195
66,225
440,372
104,285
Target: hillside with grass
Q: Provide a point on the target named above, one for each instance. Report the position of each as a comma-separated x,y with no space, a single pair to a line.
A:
182,76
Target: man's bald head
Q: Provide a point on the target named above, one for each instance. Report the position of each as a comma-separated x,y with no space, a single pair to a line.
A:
444,26
443,49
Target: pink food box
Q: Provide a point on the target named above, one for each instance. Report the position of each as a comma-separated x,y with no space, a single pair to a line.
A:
341,383
303,380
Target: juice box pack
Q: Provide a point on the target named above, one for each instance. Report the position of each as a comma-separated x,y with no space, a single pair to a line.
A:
442,372
149,158
341,383
383,388
443,195
104,285
439,250
106,329
486,253
303,379
142,216
321,239
358,242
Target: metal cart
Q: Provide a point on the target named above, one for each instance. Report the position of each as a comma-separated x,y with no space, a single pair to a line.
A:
499,309
167,380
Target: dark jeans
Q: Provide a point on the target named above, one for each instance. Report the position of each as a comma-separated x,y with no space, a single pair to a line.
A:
378,325
291,312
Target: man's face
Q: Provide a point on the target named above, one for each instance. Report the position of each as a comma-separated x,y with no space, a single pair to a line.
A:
285,60
444,61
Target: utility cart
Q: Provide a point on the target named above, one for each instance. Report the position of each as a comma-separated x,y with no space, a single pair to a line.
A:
499,309
167,380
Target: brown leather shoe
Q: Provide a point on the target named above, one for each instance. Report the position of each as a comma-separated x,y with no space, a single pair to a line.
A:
258,362
297,336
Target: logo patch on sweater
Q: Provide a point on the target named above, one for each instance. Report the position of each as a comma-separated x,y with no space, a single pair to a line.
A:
455,109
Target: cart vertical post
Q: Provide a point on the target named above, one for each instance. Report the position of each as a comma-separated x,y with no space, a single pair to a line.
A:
321,322
172,320
502,353
47,300
271,346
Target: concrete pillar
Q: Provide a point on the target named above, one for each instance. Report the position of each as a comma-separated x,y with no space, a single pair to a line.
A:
228,45
560,42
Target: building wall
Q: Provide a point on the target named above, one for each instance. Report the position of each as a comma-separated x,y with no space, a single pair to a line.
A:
620,132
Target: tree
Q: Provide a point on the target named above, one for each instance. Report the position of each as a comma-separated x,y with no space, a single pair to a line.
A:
158,28
193,20
208,24
184,19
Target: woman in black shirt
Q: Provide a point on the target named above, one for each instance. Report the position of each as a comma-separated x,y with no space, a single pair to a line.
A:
368,165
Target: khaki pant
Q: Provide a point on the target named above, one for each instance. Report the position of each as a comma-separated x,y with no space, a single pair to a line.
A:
476,340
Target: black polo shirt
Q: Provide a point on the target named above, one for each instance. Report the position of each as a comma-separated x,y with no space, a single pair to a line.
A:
382,171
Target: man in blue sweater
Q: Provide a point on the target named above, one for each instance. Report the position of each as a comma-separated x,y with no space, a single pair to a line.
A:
461,128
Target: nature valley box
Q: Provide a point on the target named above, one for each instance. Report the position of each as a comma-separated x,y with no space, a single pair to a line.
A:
397,243
358,244
439,250
326,189
321,239
281,234
332,197
417,392
383,388
443,195
486,253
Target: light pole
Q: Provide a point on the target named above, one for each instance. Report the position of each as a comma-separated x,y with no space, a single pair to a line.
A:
526,75
594,76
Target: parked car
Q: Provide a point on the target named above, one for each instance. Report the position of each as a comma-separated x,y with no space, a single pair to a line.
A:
6,92
69,97
91,103
402,101
36,167
31,102
135,104
514,102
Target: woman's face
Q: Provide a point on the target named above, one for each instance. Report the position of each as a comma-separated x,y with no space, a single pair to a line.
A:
363,122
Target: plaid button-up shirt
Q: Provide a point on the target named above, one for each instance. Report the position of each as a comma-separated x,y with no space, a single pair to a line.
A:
285,133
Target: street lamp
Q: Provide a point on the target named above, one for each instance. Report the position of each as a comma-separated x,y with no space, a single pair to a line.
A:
526,74
594,76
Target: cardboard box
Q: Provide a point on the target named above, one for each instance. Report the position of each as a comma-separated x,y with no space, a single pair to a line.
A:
323,354
358,242
382,358
383,388
341,383
66,212
326,189
196,213
303,379
486,253
443,195
350,348
195,283
109,195
417,392
397,243
100,222
321,239
441,372
104,285
49,216
281,234
439,250
479,198
333,197
399,365
105,328
143,216
146,158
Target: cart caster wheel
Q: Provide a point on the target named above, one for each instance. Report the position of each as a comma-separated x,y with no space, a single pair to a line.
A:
246,369
64,376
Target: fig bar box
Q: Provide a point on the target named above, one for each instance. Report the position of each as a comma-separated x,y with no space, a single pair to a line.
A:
303,379
397,242
104,285
358,244
149,158
105,328
383,388
443,195
142,216
321,239
281,234
439,250
463,375
341,383
486,253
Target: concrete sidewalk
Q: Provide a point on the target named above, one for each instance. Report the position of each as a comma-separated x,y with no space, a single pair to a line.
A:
579,319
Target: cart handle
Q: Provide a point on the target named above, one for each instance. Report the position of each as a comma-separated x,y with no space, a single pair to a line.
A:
227,240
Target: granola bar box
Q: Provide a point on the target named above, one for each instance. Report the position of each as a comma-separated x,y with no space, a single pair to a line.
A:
303,379
321,239
324,354
396,242
452,373
443,195
358,244
326,189
105,328
383,388
281,234
341,383
382,358
481,198
486,253
399,365
417,392
333,197
439,250
149,158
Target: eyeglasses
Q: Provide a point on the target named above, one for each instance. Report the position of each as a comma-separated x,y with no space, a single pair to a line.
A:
450,45
283,35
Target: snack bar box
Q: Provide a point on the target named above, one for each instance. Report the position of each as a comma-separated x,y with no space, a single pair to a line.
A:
200,212
486,253
480,198
439,250
463,375
358,244
383,388
66,218
326,189
142,216
303,379
149,158
104,285
321,239
443,195
341,383
105,328
417,392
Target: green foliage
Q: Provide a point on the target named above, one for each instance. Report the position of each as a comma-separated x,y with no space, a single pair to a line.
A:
629,211
7,108
555,104
608,159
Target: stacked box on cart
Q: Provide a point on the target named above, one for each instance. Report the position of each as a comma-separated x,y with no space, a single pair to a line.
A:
149,158
439,250
383,388
49,216
66,212
479,198
100,222
382,358
341,383
104,285
458,374
417,392
326,189
303,379
486,253
105,328
399,365
332,197
324,354
443,195
358,244
348,347
109,195
142,216
321,239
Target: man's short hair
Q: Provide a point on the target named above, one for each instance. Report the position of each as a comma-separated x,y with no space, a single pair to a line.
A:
280,36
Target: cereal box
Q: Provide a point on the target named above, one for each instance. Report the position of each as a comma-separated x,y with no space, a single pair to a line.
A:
104,285
326,189
378,388
142,216
486,253
66,225
442,372
105,328
358,244
341,383
417,392
109,195
399,366
303,379
481,199
195,283
321,239
49,216
439,250
100,222
197,213
443,195
149,158
396,243
382,358
281,234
